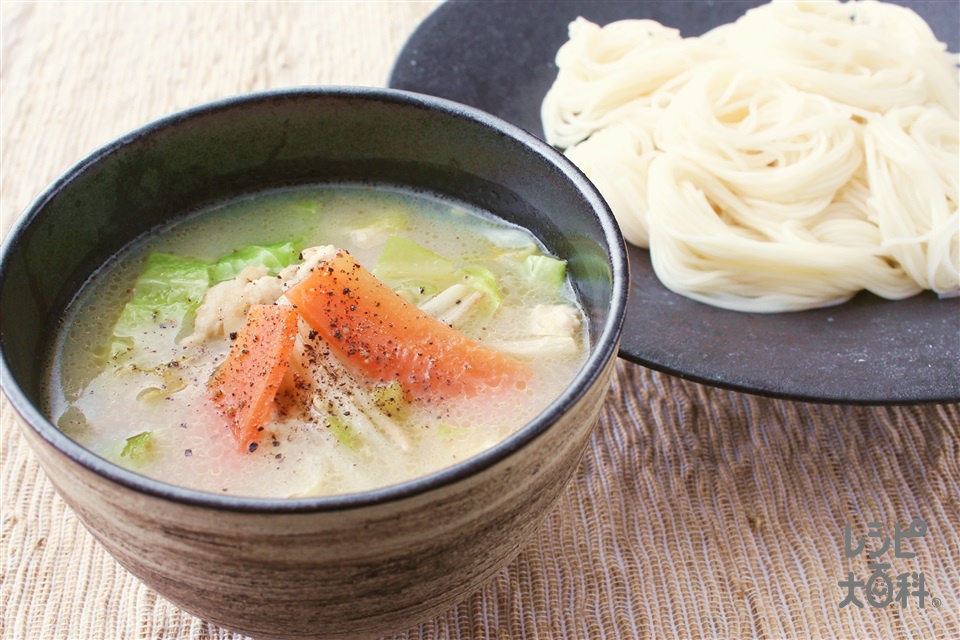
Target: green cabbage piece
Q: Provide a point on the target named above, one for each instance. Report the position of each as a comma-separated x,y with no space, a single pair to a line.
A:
274,257
485,281
139,448
377,231
389,400
166,294
73,422
545,269
342,431
510,240
403,260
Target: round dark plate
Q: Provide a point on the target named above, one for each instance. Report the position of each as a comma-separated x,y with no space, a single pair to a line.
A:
499,56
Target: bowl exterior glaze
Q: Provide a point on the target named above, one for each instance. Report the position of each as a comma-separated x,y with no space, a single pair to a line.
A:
359,565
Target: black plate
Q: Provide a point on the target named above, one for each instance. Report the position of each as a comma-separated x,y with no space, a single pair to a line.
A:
499,56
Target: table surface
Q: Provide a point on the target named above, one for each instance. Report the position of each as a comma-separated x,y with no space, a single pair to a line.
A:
695,512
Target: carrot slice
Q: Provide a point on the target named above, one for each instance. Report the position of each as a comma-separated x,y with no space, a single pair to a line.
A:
243,388
378,333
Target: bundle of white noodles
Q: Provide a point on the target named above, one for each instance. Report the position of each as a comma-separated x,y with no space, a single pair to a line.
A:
781,162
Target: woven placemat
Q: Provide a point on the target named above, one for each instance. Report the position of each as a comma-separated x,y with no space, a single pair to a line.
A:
697,512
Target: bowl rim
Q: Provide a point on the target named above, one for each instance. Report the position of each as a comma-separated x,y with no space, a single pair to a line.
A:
604,348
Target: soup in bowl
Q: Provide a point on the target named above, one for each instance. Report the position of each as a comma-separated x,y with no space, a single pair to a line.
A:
317,362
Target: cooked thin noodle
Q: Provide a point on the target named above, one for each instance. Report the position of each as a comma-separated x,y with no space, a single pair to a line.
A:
784,161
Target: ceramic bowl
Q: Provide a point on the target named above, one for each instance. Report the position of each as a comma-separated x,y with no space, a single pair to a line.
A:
354,565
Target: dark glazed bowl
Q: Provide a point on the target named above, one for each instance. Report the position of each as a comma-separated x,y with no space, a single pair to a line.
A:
345,566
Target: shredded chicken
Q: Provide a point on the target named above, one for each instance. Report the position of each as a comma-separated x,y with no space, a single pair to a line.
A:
554,320
225,305
553,330
311,258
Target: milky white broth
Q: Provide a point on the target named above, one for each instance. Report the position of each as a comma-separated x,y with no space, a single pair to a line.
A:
100,404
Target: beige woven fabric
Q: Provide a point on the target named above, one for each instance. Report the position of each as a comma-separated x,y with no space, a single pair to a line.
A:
697,512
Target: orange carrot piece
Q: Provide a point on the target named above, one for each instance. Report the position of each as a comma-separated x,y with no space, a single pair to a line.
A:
243,388
378,333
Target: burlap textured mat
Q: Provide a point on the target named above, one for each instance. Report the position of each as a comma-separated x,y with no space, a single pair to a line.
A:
697,512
